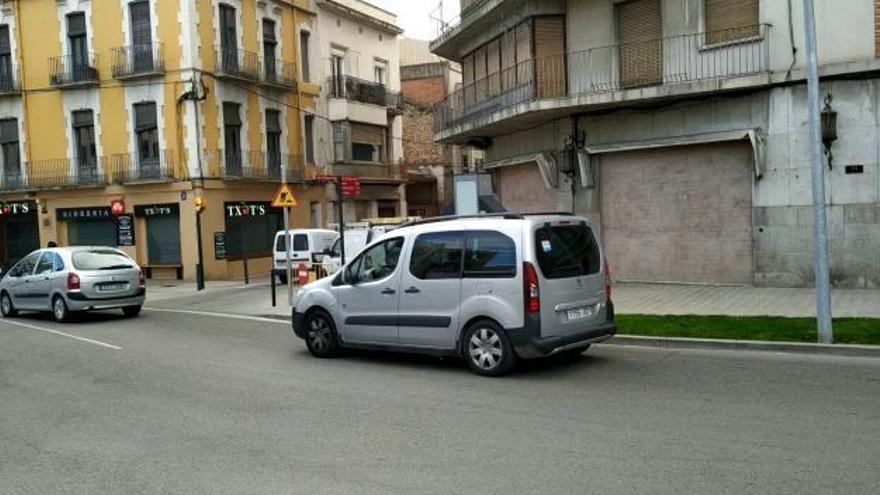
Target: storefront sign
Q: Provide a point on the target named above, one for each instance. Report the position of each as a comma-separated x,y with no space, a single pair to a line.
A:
125,230
157,210
18,208
95,213
244,210
220,245
117,207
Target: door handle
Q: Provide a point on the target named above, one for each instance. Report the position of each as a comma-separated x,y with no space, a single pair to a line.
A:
412,290
389,292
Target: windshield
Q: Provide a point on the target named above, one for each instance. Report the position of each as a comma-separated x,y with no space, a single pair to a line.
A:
101,259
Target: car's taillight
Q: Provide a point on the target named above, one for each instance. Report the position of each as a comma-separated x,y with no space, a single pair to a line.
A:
142,281
607,281
72,281
532,301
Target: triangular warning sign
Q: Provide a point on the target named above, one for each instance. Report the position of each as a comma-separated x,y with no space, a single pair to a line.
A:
284,197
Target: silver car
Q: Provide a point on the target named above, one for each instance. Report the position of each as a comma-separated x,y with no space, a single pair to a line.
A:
491,289
69,280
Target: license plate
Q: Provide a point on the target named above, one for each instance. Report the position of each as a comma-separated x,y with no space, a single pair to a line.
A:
112,287
579,313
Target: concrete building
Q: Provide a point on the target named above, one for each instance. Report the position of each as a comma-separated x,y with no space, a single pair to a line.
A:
680,126
426,80
358,128
152,103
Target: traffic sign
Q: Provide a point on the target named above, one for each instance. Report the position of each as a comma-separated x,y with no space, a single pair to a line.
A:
351,187
284,198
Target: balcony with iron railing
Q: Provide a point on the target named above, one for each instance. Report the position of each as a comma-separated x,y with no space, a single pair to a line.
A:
605,75
52,174
74,70
238,64
279,74
135,61
127,168
363,91
254,165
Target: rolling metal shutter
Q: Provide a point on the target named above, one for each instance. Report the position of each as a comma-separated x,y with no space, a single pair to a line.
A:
639,31
91,233
163,240
729,20
550,56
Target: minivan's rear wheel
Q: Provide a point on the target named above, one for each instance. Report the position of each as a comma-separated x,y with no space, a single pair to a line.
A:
487,350
6,306
59,310
321,335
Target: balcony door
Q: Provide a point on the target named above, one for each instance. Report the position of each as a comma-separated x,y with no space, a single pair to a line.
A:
7,77
9,152
147,137
232,138
640,33
141,36
84,141
228,39
80,69
270,45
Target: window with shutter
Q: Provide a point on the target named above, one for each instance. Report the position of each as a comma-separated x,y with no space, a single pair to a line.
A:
550,56
6,75
493,66
639,32
508,60
524,66
273,142
731,20
367,143
304,37
480,73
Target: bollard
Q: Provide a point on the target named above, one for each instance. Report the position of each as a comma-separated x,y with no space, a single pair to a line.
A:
272,276
247,278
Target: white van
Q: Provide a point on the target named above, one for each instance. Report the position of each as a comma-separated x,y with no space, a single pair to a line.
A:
309,245
355,240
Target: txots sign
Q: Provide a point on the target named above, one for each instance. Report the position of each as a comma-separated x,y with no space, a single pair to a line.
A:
17,208
245,210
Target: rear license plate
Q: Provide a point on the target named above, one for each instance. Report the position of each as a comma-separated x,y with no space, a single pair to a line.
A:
112,287
579,313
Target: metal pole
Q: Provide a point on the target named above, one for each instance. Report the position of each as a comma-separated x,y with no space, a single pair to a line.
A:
820,221
288,240
340,213
200,266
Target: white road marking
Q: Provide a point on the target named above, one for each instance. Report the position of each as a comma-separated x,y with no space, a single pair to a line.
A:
56,332
219,315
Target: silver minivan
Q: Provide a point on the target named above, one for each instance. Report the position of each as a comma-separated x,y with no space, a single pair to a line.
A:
491,289
68,280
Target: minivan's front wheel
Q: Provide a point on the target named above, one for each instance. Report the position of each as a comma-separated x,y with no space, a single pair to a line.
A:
6,306
487,350
321,335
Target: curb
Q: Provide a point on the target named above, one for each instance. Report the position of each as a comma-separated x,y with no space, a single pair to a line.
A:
747,345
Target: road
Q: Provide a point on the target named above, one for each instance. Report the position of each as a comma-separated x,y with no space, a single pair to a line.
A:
187,403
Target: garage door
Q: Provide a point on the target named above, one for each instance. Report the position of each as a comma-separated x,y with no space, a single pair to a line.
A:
679,214
521,189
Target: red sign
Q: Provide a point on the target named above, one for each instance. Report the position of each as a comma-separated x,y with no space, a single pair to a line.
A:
117,207
351,187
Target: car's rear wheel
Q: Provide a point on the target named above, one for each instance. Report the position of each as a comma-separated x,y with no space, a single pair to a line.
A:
321,335
60,310
131,311
6,306
487,349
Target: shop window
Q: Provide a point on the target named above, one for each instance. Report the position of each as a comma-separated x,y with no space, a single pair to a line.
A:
731,20
147,138
304,39
270,43
9,149
7,76
91,233
253,234
232,137
273,142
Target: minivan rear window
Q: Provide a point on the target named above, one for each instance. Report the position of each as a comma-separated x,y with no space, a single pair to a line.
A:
567,251
101,259
300,243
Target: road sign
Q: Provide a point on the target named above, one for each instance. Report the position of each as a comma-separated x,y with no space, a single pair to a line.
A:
351,187
284,198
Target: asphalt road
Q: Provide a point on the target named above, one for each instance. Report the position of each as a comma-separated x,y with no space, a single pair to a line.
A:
185,403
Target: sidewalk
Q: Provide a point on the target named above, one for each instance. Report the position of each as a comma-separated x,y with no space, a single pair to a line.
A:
672,299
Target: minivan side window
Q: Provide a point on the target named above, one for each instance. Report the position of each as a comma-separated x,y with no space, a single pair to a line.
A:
437,256
378,262
489,254
567,251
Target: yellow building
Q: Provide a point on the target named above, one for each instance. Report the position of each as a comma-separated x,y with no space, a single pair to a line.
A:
154,103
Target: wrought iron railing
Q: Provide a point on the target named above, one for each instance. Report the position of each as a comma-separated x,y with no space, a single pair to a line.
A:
51,174
447,28
126,168
254,165
278,73
70,70
138,60
361,90
660,62
10,79
235,63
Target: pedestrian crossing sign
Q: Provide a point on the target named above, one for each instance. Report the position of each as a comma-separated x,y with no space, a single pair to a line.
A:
284,198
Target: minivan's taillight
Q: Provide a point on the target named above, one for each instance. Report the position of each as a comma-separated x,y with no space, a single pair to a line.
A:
142,281
72,281
532,301
607,282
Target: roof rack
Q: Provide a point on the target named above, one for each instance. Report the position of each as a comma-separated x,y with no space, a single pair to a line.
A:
548,213
503,216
